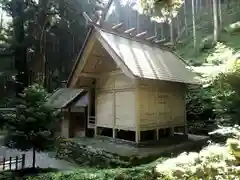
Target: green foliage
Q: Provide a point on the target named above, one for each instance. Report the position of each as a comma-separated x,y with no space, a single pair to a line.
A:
220,75
160,9
220,99
227,95
212,162
140,173
32,125
199,103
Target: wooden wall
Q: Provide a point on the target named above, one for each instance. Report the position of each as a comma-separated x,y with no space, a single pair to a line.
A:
116,101
161,104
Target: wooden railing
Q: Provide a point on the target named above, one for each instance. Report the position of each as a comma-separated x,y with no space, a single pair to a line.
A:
13,163
91,122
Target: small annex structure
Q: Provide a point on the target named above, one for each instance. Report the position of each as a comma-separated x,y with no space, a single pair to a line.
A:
73,104
135,90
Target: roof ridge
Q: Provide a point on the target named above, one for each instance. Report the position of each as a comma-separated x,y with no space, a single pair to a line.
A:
144,42
132,38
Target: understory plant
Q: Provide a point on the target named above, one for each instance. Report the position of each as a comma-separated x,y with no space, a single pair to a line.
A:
32,124
214,162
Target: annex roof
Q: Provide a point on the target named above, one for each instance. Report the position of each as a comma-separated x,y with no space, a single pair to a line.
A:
62,97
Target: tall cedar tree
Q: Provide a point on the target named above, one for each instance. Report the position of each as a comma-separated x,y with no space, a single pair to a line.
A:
20,50
32,125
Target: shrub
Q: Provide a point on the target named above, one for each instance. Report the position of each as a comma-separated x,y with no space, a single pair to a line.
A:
213,161
32,124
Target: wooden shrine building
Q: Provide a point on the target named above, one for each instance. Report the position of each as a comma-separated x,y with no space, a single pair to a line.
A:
135,90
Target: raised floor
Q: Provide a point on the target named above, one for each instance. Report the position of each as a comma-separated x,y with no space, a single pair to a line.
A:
193,142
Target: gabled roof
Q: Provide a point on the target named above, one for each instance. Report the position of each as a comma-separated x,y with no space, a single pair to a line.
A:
62,97
143,60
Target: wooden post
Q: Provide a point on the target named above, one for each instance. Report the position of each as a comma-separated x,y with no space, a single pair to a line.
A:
4,160
114,115
10,163
69,124
185,113
95,101
16,163
157,134
23,160
137,136
137,111
171,131
185,130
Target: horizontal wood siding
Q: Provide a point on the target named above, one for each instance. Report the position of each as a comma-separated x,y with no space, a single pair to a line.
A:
161,104
116,101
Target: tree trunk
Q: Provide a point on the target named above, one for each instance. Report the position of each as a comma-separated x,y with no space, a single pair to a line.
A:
185,18
171,25
41,30
20,50
215,21
194,25
34,158
220,14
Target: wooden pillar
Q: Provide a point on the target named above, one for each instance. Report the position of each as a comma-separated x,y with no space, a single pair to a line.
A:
185,130
95,129
185,113
137,111
137,136
171,131
157,134
65,125
114,115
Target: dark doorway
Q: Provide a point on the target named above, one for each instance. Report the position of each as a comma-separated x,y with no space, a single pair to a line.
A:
78,124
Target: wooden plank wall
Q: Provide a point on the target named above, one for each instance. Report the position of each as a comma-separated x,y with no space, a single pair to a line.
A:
161,105
115,101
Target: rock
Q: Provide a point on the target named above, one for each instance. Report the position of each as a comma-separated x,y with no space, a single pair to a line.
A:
207,43
232,28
